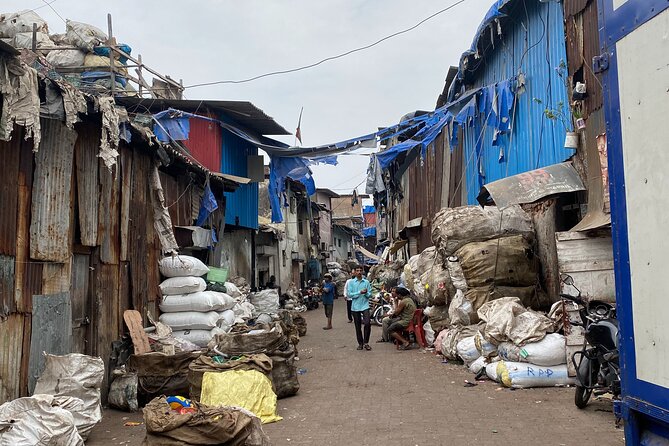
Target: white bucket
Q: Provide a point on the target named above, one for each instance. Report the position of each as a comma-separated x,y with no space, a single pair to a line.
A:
571,140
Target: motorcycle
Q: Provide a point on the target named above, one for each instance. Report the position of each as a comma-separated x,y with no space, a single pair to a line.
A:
311,296
379,306
597,364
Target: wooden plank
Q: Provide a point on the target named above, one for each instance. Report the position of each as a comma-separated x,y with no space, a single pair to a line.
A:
86,150
9,159
50,229
11,345
106,313
51,331
81,304
126,192
56,277
139,338
109,214
28,275
124,295
137,233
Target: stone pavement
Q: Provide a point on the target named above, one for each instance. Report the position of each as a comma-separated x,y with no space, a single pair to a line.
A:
390,397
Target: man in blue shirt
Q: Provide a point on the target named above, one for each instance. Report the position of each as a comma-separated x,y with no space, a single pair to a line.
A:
359,291
328,299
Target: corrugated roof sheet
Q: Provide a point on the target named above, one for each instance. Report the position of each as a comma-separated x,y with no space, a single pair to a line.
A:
241,206
11,346
9,180
245,113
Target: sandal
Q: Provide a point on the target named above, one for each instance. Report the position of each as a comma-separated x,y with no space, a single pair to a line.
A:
359,347
367,347
404,347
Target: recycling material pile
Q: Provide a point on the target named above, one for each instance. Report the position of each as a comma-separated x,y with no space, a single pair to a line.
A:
340,274
77,53
480,281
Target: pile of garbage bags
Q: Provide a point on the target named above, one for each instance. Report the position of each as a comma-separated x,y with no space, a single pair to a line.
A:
80,48
481,283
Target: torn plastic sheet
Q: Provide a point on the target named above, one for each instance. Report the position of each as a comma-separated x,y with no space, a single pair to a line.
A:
20,100
171,125
281,168
208,205
110,131
161,217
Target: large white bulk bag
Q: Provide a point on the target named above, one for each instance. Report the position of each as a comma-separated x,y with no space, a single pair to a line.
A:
66,58
265,301
203,301
182,285
519,375
467,350
190,320
182,266
551,350
21,22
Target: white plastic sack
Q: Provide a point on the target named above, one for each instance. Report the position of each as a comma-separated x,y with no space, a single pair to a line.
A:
203,301
38,420
66,58
520,375
456,273
476,366
264,318
198,337
243,311
21,22
83,35
485,348
451,336
25,40
182,285
79,376
491,371
429,334
265,301
460,310
182,266
550,351
190,320
467,350
227,318
232,290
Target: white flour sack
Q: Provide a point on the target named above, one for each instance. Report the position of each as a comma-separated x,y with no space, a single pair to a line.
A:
182,266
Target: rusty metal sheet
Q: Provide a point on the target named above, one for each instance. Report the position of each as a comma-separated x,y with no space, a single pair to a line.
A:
137,236
28,275
51,331
532,186
86,150
50,228
81,304
126,192
11,346
28,283
573,7
109,217
56,277
124,295
106,314
593,82
7,274
9,160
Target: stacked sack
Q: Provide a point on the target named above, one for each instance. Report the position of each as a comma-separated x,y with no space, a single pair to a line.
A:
192,313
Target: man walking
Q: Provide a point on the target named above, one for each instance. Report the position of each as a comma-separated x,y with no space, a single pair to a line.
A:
359,291
348,299
328,299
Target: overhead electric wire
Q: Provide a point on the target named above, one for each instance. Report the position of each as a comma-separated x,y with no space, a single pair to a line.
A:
327,59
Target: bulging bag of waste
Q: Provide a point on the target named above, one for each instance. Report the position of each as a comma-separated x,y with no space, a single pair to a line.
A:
439,317
161,374
429,333
529,296
491,371
79,376
182,285
21,22
248,389
520,375
243,311
38,420
260,362
461,311
262,341
284,372
66,58
265,301
467,350
25,40
455,227
485,348
452,336
456,273
439,289
232,290
83,35
550,351
202,301
207,426
227,318
507,320
478,365
506,261
182,266
123,392
190,320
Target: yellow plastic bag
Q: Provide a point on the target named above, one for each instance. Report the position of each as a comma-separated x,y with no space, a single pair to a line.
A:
248,389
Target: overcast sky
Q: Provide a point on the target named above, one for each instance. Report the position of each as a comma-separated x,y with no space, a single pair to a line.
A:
202,41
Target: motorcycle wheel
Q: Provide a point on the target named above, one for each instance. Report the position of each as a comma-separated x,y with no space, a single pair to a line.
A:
377,318
582,396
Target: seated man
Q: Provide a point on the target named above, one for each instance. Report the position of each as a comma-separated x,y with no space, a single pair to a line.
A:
404,311
389,317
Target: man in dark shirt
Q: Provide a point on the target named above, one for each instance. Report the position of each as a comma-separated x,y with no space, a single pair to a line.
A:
328,299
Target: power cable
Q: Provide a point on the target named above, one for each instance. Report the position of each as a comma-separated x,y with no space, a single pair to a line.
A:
327,59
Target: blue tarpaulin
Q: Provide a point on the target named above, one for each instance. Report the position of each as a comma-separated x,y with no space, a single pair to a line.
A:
369,232
368,210
208,205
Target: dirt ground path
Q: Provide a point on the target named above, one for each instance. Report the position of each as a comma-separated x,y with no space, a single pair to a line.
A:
390,397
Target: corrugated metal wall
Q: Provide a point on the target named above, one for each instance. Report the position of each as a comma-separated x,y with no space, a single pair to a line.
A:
534,44
204,142
241,208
